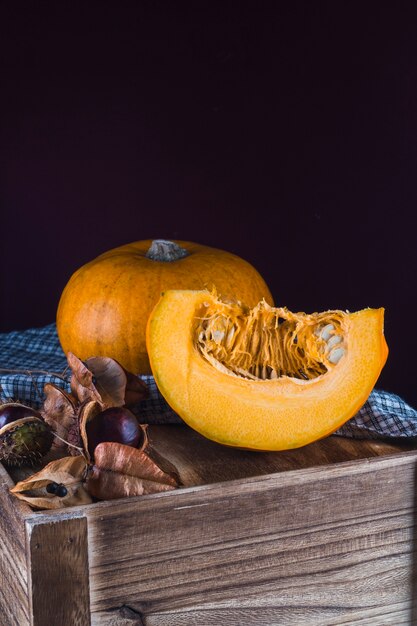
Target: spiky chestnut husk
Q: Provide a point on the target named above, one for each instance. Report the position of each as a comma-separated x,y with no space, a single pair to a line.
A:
25,441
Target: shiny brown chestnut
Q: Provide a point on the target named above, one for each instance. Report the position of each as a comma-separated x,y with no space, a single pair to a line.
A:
114,424
12,411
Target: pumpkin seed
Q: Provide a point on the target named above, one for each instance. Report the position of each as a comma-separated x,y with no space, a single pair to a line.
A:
335,355
333,341
326,332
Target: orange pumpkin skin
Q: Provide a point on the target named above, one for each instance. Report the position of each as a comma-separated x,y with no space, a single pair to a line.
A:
104,308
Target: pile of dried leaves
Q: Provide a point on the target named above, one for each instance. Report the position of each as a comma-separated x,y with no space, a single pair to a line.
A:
112,470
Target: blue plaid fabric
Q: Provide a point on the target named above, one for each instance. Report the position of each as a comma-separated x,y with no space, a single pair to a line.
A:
31,358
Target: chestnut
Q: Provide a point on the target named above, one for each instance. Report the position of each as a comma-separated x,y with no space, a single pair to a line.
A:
24,436
13,411
116,424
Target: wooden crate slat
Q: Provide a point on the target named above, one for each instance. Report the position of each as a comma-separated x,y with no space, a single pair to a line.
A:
199,547
281,616
59,581
203,462
122,616
14,600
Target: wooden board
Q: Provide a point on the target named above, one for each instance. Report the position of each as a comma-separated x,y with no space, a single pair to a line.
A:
320,536
324,543
58,553
202,462
14,597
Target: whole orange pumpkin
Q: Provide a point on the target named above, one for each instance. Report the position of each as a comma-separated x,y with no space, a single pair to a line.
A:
104,308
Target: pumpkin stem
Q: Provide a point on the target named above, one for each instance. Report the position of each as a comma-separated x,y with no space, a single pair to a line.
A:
165,251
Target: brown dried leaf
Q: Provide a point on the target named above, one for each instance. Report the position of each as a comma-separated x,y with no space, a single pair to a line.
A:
163,463
60,412
115,384
67,470
145,437
87,411
107,485
136,389
110,378
70,471
82,385
126,460
103,379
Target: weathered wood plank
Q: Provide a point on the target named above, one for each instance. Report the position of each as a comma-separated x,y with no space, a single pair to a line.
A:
281,616
272,616
323,540
202,462
14,601
59,581
316,595
123,616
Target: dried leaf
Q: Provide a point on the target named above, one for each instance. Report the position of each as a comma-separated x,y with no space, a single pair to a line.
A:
68,471
82,385
87,411
110,379
59,412
116,386
79,496
145,441
126,460
163,463
136,389
103,379
107,485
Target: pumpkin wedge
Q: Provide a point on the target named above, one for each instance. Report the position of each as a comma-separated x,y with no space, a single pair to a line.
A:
262,378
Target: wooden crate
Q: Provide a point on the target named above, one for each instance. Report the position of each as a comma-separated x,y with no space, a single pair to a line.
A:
320,535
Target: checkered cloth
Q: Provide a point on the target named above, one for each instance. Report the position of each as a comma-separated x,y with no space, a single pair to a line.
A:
36,357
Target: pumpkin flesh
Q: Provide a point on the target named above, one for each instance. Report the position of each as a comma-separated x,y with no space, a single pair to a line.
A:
262,378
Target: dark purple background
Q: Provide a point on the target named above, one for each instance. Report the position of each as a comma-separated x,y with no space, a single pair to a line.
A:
283,132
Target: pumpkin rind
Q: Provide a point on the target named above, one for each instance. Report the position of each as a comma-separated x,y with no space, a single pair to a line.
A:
273,414
105,305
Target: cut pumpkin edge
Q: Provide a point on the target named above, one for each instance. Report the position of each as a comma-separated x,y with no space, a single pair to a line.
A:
276,414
